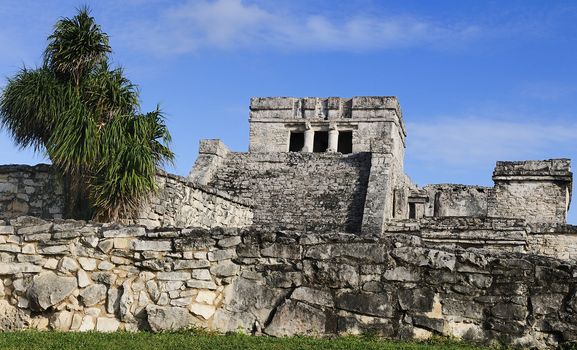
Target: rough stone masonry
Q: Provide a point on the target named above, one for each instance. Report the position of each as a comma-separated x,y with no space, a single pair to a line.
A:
316,230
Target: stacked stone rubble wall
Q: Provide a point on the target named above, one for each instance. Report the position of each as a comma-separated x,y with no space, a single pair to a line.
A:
557,240
38,191
30,190
70,275
179,203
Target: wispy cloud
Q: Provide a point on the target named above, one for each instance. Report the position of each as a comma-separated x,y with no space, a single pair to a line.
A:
548,90
466,142
231,24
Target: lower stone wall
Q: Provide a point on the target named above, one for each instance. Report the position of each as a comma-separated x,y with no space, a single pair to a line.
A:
69,275
179,203
492,234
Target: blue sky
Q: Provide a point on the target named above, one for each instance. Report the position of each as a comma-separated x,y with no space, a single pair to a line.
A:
478,81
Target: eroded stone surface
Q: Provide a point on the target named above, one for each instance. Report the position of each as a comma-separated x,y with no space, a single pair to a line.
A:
168,318
48,289
296,318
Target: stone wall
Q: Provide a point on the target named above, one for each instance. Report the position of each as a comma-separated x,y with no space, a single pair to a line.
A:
30,190
492,234
456,200
313,192
179,203
538,191
557,240
69,275
38,191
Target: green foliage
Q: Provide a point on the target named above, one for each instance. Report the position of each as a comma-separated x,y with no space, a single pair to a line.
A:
205,341
85,115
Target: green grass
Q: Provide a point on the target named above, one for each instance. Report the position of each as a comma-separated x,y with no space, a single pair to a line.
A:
200,340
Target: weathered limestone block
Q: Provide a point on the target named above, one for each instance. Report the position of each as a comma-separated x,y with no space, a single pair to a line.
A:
368,252
130,231
419,256
206,297
225,268
380,305
331,274
296,318
201,284
168,318
402,274
354,324
245,297
544,304
313,296
418,299
83,279
48,289
125,303
61,321
200,274
190,264
112,302
286,251
463,308
148,245
87,324
12,318
431,324
107,324
223,254
15,268
93,294
68,264
202,310
229,242
173,276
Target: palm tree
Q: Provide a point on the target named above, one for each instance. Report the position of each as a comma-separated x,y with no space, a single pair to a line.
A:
86,117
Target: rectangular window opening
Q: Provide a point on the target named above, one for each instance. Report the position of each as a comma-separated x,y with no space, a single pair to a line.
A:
345,145
297,141
321,141
412,211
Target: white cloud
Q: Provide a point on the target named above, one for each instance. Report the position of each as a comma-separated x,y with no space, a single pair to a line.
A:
547,90
475,142
230,24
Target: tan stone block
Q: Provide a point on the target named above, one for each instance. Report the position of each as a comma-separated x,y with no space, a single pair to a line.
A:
204,311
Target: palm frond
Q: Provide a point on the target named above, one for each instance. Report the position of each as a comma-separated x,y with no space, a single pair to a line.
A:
76,46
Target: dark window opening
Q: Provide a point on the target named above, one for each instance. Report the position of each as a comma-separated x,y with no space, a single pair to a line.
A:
297,141
345,145
437,205
412,211
394,202
321,141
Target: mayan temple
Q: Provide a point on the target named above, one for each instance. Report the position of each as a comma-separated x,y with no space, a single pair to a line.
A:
316,230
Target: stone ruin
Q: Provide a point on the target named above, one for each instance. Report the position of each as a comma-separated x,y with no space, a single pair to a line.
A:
316,231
